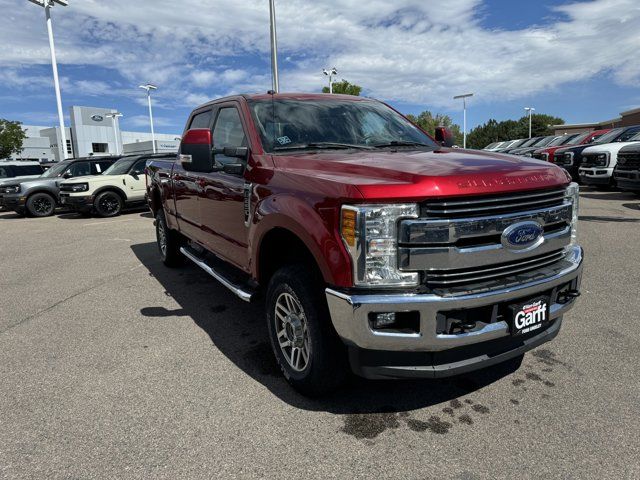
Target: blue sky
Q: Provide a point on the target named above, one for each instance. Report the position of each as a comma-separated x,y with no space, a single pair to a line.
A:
574,59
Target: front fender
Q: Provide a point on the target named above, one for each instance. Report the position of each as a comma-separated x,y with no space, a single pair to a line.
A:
315,227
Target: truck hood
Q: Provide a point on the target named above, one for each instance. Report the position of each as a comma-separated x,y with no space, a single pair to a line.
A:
404,175
97,179
606,147
16,180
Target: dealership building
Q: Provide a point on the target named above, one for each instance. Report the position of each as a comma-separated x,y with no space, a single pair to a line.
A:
626,119
93,132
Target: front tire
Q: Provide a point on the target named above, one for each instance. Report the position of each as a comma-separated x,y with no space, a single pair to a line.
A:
308,351
108,204
41,205
168,242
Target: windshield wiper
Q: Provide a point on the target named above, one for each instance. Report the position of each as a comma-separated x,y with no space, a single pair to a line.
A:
396,143
324,145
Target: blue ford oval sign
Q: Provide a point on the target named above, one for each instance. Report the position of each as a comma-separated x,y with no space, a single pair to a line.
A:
523,236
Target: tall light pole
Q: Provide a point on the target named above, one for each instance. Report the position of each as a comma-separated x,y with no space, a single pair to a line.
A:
148,87
47,4
464,117
530,110
330,74
275,83
116,131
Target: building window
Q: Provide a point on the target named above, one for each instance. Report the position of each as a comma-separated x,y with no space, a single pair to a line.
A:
69,149
99,147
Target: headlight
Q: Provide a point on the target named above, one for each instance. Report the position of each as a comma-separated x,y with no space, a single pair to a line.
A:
370,233
568,158
79,187
528,154
602,160
544,156
572,193
12,189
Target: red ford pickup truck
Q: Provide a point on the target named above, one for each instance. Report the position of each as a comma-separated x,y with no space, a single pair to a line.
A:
373,246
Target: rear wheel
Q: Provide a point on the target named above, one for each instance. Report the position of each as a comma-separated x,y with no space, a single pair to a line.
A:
168,242
310,355
41,205
108,204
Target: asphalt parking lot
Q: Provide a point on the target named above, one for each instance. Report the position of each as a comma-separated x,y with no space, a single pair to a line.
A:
113,366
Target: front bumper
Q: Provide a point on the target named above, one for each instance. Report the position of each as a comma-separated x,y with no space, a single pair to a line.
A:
80,203
596,175
427,353
628,180
12,201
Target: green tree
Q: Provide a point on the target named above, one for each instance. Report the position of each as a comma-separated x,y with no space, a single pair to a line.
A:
345,88
428,122
494,131
11,137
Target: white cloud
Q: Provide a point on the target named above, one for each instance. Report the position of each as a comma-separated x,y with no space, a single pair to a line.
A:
143,121
408,50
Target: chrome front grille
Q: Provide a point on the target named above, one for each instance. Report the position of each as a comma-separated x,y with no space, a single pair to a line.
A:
457,245
458,277
492,205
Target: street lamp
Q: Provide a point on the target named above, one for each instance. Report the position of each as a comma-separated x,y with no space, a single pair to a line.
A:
274,48
116,133
47,4
148,87
464,121
530,110
330,74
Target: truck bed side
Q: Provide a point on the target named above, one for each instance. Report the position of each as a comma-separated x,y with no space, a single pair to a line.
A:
160,192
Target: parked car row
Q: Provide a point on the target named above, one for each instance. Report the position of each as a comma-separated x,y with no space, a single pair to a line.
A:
592,158
103,186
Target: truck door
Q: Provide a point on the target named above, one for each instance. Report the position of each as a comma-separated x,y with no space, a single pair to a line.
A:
186,187
222,196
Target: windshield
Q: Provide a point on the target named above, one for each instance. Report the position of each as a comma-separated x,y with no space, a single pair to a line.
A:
561,140
609,137
121,167
543,142
318,124
529,142
56,170
579,139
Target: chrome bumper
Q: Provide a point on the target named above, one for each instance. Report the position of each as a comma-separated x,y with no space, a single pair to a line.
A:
350,313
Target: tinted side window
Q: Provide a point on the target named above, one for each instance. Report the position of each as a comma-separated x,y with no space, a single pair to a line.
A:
4,172
228,132
27,170
201,120
138,167
79,169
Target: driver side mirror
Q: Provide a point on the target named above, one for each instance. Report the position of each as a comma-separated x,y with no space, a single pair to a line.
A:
196,151
444,137
67,174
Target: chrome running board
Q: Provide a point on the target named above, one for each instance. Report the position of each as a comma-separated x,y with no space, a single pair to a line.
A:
244,293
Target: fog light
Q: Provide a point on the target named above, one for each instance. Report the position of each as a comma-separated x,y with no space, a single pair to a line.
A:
382,320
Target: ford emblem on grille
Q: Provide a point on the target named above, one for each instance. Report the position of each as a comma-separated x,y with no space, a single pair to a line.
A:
523,236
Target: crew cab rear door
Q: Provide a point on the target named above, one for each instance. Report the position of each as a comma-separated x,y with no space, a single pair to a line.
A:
222,196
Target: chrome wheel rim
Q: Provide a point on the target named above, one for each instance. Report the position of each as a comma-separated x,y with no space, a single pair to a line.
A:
109,204
162,238
291,331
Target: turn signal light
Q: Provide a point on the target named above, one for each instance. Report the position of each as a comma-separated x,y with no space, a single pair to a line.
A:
348,226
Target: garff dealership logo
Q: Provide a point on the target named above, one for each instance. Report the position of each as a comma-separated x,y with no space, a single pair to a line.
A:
97,118
531,316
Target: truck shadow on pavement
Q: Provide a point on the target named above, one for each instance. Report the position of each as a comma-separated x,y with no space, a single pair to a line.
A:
239,331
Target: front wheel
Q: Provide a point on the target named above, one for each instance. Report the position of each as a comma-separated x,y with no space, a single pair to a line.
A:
108,204
41,205
310,355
